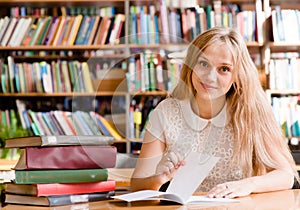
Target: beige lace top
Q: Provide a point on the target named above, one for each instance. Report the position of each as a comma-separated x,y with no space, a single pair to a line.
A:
175,123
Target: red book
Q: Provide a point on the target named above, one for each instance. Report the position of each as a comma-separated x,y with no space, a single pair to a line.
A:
60,188
67,157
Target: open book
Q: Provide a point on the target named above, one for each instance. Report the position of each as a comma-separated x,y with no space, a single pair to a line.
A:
158,195
184,183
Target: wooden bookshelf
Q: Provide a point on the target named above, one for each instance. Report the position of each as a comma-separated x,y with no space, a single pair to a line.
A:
127,48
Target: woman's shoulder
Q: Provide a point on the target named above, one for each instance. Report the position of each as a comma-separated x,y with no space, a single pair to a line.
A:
167,102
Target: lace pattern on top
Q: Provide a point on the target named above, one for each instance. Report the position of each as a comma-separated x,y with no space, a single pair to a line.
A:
181,137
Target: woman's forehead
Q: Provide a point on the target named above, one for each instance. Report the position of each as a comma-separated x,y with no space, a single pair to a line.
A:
217,53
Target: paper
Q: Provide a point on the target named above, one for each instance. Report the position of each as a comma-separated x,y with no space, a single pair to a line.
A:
158,195
188,177
184,183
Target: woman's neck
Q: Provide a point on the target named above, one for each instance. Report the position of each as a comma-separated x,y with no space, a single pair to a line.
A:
208,109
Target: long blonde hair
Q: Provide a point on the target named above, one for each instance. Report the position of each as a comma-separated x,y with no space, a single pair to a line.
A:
259,141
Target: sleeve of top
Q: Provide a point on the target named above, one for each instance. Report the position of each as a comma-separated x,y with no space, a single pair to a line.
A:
156,123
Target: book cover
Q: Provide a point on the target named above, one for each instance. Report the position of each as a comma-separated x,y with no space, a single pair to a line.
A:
4,27
57,200
37,31
60,188
56,140
44,31
30,32
56,123
57,157
110,128
108,30
94,30
88,30
60,176
100,125
9,31
11,74
17,32
49,123
46,129
68,118
34,119
52,28
67,33
75,29
82,30
58,114
86,76
104,30
81,123
59,30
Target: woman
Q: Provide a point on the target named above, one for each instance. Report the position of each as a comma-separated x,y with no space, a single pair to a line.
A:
218,108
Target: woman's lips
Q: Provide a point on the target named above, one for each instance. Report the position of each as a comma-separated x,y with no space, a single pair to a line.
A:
207,87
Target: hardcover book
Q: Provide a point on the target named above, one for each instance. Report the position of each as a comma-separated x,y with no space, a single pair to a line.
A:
57,200
60,188
57,140
60,176
76,157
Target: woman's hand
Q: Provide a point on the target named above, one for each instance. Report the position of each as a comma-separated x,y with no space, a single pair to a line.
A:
167,166
232,189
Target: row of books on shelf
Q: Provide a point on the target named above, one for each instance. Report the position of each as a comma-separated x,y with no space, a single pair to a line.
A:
287,113
179,25
61,30
147,25
57,122
44,77
147,71
285,25
22,11
61,170
284,73
150,72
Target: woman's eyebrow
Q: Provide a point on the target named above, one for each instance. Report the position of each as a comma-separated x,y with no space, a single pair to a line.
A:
202,56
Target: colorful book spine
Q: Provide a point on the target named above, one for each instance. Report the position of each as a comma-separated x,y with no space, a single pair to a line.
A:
60,176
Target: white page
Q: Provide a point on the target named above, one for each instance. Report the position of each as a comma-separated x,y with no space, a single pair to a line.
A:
139,195
188,177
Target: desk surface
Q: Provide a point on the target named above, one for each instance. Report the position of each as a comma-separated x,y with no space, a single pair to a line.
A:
279,200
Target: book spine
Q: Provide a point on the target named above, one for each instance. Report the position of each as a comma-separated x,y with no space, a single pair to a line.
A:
60,176
75,188
86,157
73,199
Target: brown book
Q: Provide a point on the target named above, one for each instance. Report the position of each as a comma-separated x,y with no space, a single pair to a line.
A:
58,140
67,157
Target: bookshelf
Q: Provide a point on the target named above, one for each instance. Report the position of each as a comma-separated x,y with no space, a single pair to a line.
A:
282,68
137,42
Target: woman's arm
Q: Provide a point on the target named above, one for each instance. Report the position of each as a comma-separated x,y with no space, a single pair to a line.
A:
274,180
155,166
143,176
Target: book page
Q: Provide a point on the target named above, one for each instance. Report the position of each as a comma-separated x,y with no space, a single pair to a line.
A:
140,195
188,177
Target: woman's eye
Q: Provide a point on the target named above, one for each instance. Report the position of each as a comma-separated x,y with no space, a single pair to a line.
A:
224,69
203,63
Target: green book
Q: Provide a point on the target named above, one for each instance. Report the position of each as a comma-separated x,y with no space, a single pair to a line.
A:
60,176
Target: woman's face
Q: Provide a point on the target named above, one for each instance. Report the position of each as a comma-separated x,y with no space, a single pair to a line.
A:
213,73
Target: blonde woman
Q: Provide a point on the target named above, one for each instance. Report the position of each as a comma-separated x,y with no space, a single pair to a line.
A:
217,108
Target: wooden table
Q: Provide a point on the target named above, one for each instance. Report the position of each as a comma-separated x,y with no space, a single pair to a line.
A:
279,200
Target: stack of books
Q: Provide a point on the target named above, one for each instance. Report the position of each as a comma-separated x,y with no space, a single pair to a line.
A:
61,170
